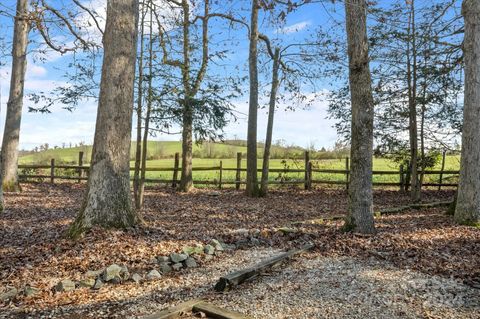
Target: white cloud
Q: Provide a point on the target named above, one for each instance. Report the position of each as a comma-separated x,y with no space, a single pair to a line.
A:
297,27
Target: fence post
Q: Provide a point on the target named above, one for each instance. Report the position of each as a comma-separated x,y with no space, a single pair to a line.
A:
220,177
402,179
309,172
239,166
307,160
175,170
441,171
80,163
52,171
347,168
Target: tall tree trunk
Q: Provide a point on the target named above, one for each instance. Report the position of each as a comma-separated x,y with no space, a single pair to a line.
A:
138,145
412,104
360,214
141,188
11,134
107,201
252,179
186,180
271,112
468,200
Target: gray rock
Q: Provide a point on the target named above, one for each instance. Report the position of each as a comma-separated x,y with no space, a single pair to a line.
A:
190,263
98,284
177,266
124,273
209,250
255,241
242,243
111,272
153,274
137,278
9,294
216,244
31,291
88,283
163,259
93,273
165,268
241,232
65,285
177,258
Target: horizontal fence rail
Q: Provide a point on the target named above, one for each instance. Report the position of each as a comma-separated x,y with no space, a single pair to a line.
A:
80,173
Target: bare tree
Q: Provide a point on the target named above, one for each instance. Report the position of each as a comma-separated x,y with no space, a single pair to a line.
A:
139,111
11,134
360,214
252,179
468,198
271,111
108,200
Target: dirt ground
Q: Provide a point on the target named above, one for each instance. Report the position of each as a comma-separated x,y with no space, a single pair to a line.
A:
414,246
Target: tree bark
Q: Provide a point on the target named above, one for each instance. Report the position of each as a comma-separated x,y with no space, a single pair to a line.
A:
360,214
412,105
11,134
107,202
141,188
252,189
271,112
468,200
138,145
191,90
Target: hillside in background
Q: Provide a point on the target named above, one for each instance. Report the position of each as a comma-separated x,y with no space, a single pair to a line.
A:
161,150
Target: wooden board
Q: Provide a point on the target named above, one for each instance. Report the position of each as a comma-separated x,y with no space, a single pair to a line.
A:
215,312
174,312
240,276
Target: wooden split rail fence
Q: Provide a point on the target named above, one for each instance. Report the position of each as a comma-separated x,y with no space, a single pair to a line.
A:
81,173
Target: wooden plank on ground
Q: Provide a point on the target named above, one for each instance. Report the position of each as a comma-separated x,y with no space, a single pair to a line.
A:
240,276
215,312
174,312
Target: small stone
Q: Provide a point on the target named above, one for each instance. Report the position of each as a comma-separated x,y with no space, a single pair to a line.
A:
286,230
153,274
163,259
116,280
209,250
93,273
241,243
9,294
216,244
98,284
255,241
190,263
165,268
111,272
88,283
137,278
31,291
177,266
177,258
241,232
65,285
124,273
208,257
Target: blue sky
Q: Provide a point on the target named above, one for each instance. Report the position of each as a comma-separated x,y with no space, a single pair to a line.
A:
302,127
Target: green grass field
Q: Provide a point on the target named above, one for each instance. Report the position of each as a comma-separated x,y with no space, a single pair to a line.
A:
226,154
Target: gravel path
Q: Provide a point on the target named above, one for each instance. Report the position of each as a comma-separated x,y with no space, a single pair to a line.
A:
310,286
349,288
